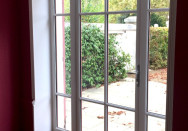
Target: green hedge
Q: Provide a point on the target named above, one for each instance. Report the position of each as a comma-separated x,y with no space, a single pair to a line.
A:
158,53
93,58
159,19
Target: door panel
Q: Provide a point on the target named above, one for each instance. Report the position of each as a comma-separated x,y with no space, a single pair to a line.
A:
122,59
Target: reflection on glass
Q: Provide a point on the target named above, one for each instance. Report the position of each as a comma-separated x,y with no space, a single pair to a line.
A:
62,6
122,59
120,120
64,113
122,5
92,6
159,4
156,124
158,56
92,37
63,54
92,117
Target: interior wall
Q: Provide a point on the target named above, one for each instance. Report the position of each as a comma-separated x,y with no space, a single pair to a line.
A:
180,115
26,110
9,67
15,83
42,65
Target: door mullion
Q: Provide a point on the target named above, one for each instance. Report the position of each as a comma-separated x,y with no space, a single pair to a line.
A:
75,65
142,61
106,68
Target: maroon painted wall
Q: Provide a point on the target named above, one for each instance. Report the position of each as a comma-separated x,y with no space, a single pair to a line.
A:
26,91
180,122
15,80
9,67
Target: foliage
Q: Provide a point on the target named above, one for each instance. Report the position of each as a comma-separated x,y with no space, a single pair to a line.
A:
120,5
158,47
92,6
115,5
160,3
66,6
92,19
93,58
68,59
158,19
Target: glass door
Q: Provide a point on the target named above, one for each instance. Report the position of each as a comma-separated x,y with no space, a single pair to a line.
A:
108,64
111,65
153,17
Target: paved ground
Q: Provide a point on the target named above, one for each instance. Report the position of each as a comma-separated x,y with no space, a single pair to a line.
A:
122,93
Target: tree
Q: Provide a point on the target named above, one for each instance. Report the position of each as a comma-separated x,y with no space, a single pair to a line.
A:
114,5
159,3
92,6
121,5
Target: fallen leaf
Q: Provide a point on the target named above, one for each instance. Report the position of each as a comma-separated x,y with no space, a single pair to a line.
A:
100,117
84,108
120,112
124,124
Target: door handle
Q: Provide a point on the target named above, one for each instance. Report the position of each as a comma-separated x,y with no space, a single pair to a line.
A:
138,75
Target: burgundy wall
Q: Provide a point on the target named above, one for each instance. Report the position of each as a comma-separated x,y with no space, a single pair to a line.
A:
180,122
26,91
9,67
15,81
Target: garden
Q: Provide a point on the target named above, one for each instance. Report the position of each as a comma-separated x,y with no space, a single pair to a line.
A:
93,56
92,43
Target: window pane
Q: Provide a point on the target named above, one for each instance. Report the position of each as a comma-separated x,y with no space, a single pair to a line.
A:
63,54
120,120
92,6
92,117
92,45
156,124
62,6
158,56
64,112
122,5
159,4
122,59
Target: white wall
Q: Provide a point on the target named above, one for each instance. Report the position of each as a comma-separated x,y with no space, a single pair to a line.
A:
127,42
41,54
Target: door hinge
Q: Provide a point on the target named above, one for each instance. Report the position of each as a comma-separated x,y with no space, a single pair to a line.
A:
138,75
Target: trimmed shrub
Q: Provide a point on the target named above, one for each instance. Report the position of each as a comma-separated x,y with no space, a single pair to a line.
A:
68,59
158,47
158,19
93,58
